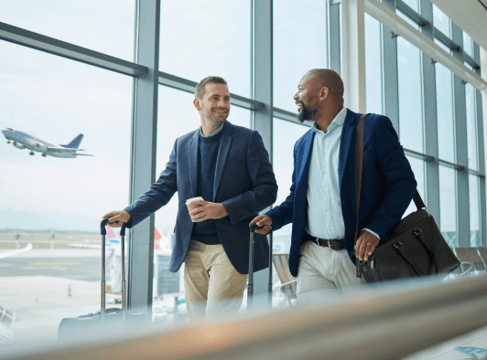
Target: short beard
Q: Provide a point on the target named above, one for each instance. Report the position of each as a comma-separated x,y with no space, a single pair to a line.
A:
305,113
216,122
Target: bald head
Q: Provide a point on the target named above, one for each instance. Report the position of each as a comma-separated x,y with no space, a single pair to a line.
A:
330,79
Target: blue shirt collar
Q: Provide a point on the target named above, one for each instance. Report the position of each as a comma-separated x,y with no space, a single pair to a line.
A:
220,128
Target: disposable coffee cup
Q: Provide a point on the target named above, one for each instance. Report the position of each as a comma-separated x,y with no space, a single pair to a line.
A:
190,201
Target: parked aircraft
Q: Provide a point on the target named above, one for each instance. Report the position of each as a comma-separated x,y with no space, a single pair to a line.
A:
23,140
7,254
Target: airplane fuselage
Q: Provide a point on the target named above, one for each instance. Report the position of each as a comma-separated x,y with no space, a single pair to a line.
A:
23,140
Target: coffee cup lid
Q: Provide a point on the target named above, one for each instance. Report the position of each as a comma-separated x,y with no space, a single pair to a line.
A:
189,201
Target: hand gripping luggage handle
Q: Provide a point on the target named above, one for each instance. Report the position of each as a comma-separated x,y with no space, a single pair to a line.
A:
103,231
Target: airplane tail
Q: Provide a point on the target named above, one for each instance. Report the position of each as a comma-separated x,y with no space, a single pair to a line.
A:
75,143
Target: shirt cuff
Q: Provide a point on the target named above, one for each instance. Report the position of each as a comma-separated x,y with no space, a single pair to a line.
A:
373,233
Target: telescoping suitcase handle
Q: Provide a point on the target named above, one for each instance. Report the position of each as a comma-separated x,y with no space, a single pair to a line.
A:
103,229
250,285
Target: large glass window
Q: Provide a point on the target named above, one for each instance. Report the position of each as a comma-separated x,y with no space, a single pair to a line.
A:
57,203
473,188
448,205
417,165
470,93
283,168
444,109
410,98
373,65
413,4
467,44
207,38
441,21
105,26
300,44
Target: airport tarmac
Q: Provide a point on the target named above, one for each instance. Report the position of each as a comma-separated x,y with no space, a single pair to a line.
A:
44,286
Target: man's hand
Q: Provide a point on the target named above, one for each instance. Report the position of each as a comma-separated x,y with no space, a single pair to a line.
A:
117,218
263,221
366,244
206,210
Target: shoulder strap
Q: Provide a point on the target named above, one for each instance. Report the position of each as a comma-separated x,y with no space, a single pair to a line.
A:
359,163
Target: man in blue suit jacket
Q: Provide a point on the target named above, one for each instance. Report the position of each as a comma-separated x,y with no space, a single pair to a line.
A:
229,167
321,205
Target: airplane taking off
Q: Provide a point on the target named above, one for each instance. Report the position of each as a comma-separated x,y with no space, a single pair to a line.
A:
22,140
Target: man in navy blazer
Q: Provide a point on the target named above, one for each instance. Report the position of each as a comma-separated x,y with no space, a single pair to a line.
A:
228,166
321,205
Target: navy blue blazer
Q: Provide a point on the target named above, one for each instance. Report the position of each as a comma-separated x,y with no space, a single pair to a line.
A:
244,183
388,184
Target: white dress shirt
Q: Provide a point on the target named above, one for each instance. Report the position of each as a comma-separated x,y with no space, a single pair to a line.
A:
325,218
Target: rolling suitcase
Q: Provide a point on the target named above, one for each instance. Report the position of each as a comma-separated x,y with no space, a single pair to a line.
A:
250,283
104,321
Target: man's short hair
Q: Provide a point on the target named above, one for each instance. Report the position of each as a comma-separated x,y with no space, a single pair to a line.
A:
200,88
330,79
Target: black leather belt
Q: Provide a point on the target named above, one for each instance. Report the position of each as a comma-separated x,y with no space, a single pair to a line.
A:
334,244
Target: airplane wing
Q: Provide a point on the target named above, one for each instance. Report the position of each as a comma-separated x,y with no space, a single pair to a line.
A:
62,149
67,150
6,254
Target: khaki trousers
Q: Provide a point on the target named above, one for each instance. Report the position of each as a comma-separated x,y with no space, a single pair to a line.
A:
211,283
323,271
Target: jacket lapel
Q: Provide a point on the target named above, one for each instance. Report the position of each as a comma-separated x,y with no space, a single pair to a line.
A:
302,176
193,162
225,143
348,135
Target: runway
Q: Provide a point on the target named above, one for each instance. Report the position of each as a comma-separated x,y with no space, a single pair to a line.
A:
74,267
44,286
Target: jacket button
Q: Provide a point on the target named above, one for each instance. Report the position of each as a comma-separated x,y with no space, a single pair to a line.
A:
189,232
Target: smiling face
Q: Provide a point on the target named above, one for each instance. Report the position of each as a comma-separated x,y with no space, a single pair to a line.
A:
214,107
307,98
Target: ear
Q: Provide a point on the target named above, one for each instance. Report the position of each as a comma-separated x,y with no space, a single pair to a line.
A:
196,103
324,93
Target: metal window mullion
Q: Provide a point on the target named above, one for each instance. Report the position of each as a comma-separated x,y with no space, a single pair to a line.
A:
461,146
421,20
70,51
481,153
262,92
144,147
449,43
189,86
334,56
390,92
430,117
352,45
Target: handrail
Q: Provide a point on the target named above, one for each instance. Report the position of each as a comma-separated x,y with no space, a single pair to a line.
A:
370,323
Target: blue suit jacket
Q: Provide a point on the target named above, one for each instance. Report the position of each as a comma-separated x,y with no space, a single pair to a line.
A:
244,183
388,184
